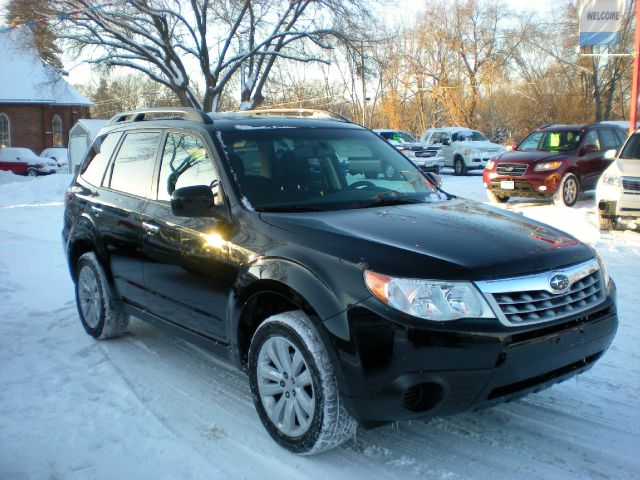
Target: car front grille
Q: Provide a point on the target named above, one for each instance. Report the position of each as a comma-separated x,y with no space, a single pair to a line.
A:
425,153
512,169
539,306
632,184
530,299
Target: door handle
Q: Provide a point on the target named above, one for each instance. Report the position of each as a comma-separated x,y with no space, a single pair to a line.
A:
96,210
150,228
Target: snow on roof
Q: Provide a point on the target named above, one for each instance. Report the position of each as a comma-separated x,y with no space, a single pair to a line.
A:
91,126
25,79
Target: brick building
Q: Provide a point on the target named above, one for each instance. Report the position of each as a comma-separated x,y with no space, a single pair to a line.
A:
37,106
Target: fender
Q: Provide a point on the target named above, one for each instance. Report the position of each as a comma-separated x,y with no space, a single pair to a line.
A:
84,235
300,286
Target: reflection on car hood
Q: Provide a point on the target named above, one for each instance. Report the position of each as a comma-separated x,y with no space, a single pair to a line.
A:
456,239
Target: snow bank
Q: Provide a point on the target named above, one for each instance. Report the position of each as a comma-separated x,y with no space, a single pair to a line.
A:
16,190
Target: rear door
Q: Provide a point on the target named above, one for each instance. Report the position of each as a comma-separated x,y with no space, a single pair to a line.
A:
188,270
128,184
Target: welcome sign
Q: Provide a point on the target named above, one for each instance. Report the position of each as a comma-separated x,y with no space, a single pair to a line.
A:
600,21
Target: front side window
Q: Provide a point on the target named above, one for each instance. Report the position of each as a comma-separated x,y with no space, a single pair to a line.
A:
322,169
132,169
185,163
592,140
469,136
98,158
552,141
56,129
5,130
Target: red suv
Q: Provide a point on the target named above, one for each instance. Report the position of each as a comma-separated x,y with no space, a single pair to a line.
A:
556,161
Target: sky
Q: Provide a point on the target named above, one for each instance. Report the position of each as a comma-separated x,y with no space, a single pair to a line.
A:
80,73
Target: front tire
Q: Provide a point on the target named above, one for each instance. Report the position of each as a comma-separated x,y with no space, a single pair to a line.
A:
98,314
32,172
459,167
493,198
568,191
294,388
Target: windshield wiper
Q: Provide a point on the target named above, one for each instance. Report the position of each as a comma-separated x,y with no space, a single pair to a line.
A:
386,202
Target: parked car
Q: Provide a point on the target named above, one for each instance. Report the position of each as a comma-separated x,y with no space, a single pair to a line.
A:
555,161
58,155
462,148
336,294
23,161
425,158
618,191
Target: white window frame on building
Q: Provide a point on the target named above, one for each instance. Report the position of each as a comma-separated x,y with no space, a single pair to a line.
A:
5,130
57,129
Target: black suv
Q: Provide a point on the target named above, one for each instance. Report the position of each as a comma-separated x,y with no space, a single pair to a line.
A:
348,301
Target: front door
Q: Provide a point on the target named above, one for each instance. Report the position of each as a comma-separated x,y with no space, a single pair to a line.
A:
188,271
590,162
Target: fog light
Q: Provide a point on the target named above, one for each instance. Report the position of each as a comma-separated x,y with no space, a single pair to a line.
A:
542,188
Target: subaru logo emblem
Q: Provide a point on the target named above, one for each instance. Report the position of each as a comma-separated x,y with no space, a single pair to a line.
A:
559,283
508,169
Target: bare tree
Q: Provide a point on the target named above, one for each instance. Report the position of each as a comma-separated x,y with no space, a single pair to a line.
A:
185,43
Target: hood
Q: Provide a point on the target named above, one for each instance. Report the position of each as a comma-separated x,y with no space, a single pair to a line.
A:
483,145
628,167
410,145
454,240
516,156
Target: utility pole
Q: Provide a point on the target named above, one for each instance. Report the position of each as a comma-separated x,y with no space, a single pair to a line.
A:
364,86
633,110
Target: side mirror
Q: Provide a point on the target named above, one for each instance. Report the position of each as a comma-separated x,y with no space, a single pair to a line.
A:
610,154
446,142
434,178
194,201
591,149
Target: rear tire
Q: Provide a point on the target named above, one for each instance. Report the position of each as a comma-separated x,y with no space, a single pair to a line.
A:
493,198
98,313
294,388
459,167
606,223
568,191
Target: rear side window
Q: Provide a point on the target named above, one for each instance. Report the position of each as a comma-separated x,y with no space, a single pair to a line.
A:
185,163
96,162
133,167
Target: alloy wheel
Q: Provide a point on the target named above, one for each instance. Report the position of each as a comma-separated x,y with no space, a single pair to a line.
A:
285,386
89,295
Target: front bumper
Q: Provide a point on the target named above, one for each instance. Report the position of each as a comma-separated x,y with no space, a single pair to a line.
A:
615,202
399,369
530,185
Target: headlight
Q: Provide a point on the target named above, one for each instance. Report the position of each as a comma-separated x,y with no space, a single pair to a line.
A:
489,165
612,180
429,299
546,166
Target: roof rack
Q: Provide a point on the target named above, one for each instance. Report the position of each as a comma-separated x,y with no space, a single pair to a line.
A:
170,113
299,112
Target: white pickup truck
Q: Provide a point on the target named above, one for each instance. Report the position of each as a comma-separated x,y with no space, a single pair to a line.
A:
462,148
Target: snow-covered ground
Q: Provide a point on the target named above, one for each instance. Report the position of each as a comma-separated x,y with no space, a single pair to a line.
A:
151,406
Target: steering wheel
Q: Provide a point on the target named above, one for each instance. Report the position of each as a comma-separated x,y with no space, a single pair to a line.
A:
361,183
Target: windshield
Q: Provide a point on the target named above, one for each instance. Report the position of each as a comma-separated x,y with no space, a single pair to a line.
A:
468,136
312,169
400,137
551,141
631,150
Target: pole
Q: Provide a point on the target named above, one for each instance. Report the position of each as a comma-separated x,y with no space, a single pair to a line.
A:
633,110
364,87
